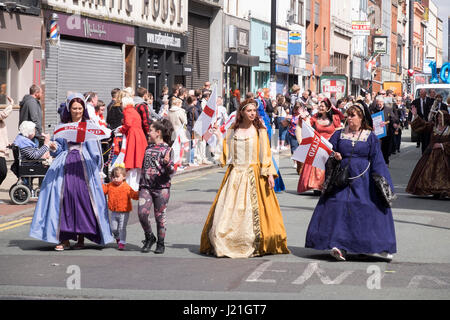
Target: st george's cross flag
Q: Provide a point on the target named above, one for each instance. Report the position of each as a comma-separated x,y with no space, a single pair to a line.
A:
224,128
204,124
120,159
81,131
314,149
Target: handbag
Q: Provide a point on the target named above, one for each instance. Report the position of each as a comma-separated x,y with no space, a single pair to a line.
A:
342,175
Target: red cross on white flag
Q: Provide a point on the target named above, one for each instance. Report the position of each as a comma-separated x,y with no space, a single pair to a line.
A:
204,122
314,149
81,131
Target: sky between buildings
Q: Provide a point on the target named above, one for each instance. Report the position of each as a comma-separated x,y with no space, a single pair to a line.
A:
444,14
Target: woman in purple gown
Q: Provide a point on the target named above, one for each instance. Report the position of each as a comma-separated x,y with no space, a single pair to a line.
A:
71,203
354,218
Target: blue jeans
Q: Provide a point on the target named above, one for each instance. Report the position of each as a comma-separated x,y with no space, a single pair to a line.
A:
293,142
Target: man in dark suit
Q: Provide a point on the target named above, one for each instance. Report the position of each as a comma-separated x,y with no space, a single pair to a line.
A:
423,106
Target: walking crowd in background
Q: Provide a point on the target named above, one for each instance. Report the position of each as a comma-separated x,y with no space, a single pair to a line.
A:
152,137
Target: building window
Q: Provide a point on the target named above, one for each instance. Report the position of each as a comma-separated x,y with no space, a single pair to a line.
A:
300,12
339,61
324,44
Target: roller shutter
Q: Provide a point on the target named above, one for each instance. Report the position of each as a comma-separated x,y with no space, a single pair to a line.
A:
80,67
198,51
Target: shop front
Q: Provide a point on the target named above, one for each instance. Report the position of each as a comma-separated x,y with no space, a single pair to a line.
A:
91,55
260,46
161,60
20,55
238,61
20,50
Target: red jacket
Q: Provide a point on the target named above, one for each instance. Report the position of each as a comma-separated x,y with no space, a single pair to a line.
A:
136,141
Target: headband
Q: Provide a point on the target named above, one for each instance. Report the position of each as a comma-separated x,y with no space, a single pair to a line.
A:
251,103
360,107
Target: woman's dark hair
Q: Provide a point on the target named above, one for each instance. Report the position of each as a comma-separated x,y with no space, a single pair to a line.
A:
329,111
364,123
66,116
239,119
166,128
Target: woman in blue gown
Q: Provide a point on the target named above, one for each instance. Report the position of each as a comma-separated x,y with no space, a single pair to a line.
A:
71,203
354,219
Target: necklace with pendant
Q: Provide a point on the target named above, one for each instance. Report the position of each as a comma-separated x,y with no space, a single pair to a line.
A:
357,139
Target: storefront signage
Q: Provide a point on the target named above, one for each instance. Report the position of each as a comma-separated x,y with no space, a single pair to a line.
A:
78,26
170,15
295,43
380,44
333,84
282,47
161,40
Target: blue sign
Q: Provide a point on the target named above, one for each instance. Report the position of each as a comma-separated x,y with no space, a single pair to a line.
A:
379,126
295,43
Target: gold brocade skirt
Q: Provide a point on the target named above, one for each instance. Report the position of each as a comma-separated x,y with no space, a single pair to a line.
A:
245,219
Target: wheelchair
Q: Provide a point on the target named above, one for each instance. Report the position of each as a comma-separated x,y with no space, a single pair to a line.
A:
21,192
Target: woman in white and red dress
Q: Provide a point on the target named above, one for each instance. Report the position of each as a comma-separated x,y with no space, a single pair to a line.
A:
326,121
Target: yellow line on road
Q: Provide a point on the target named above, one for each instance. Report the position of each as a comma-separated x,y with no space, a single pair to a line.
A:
14,224
15,221
191,178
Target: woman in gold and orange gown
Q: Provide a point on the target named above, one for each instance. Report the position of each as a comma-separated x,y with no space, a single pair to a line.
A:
326,121
431,176
245,218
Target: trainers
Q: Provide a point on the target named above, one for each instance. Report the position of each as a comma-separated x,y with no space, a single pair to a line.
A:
121,246
337,254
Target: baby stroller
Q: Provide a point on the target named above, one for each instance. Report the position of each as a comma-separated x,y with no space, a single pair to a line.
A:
22,191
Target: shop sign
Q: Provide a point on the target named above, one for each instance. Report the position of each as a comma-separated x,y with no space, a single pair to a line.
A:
333,84
169,15
380,44
163,40
295,43
83,27
282,47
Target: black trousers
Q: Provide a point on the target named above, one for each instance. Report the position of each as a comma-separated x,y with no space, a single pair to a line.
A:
3,169
386,146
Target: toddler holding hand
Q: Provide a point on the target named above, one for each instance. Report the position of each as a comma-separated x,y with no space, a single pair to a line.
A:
119,203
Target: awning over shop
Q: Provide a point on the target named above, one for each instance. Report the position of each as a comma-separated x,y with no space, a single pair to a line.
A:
240,59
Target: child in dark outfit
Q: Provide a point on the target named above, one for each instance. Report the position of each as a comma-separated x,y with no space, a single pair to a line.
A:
154,187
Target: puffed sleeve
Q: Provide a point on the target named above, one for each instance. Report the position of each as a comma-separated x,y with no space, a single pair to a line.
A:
267,166
419,125
225,149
